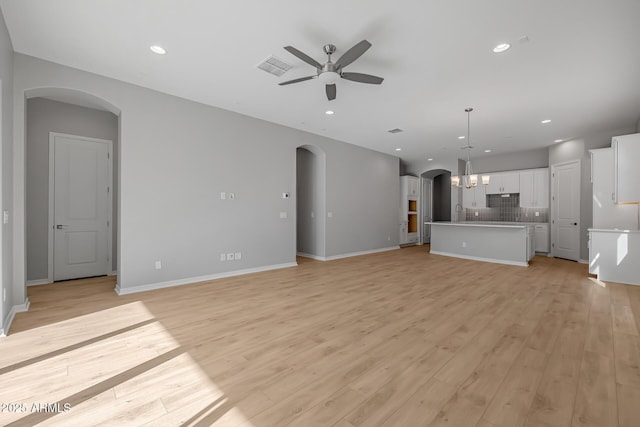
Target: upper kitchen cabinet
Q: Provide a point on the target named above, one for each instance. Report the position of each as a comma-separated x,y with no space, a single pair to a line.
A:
534,188
503,182
626,152
409,186
606,213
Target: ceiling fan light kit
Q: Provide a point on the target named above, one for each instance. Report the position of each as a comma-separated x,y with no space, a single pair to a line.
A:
331,72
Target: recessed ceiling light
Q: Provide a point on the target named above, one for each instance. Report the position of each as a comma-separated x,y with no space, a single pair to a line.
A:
558,140
328,112
501,47
461,137
157,49
487,151
545,121
429,159
398,149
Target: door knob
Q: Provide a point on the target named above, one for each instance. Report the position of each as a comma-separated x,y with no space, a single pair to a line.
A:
61,226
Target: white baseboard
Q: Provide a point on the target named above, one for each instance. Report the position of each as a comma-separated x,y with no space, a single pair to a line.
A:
583,261
38,282
192,280
476,258
332,257
113,273
6,325
306,255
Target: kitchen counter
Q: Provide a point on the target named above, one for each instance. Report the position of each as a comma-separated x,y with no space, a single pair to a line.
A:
498,242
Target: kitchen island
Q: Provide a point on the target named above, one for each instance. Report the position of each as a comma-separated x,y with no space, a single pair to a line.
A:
502,243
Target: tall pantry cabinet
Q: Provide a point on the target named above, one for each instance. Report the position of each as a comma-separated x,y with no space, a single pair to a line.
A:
409,197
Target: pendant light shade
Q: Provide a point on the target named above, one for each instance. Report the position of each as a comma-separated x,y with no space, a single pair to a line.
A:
469,179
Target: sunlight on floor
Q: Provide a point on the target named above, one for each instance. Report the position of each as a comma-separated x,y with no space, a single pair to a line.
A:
118,366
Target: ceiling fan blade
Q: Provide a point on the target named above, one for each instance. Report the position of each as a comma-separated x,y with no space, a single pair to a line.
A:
301,79
352,54
362,78
331,92
303,56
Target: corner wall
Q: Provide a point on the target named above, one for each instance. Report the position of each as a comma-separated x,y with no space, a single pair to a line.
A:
6,172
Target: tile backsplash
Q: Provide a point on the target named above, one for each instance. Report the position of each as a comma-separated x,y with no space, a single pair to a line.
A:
506,209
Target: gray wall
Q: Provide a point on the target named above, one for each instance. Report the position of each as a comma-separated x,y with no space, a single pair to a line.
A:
529,159
44,116
177,156
578,149
310,202
6,170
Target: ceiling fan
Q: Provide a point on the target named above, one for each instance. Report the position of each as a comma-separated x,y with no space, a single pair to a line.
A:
330,72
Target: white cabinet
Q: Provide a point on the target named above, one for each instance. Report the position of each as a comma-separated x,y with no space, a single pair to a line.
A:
408,210
542,237
474,197
534,188
627,173
503,182
606,213
409,186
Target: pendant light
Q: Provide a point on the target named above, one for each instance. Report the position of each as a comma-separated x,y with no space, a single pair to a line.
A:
469,179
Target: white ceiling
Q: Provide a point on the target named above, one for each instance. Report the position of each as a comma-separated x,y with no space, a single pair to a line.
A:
580,67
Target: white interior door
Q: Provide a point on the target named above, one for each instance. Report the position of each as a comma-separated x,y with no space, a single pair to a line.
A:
81,218
427,208
565,214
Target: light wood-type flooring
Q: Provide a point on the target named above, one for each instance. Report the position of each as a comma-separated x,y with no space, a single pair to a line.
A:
400,338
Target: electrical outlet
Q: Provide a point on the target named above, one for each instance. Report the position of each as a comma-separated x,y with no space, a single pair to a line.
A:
537,213
389,238
223,257
464,244
158,265
283,215
5,217
238,256
476,213
230,256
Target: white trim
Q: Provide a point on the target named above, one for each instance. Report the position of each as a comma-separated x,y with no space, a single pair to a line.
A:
52,136
332,257
193,280
476,258
113,273
38,282
316,257
12,313
583,261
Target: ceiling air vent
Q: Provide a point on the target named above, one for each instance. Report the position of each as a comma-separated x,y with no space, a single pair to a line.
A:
396,130
275,66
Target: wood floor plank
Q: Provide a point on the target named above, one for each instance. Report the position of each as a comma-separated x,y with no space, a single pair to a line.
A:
397,338
596,401
628,405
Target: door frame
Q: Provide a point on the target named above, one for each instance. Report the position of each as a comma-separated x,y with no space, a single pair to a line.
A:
554,206
51,236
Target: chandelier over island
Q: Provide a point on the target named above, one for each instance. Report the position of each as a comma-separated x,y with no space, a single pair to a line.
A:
469,179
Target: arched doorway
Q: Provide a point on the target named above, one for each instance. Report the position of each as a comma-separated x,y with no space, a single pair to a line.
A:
87,121
311,202
436,199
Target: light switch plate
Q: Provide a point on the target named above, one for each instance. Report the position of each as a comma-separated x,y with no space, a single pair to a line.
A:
223,195
238,256
283,215
5,217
